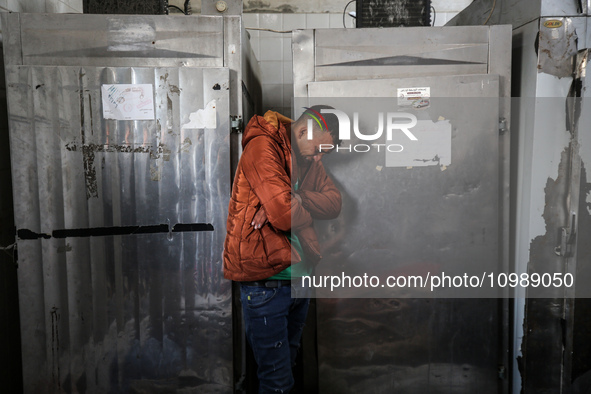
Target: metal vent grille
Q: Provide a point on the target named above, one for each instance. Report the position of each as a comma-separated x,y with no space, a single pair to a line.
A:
393,13
145,7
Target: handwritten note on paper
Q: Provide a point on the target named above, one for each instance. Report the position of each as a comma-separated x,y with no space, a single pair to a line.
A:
128,101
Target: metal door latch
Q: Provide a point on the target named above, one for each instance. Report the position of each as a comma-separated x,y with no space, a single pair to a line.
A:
236,124
567,237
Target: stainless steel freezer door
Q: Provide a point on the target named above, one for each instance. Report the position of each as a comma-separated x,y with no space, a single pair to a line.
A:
398,219
399,205
121,226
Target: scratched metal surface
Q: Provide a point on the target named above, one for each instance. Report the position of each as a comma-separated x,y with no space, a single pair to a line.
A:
414,345
400,220
416,215
117,40
121,313
409,346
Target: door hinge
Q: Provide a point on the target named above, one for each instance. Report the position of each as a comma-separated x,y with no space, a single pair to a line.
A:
236,124
567,237
502,372
502,125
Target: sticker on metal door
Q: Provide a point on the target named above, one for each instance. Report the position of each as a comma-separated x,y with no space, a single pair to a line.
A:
414,97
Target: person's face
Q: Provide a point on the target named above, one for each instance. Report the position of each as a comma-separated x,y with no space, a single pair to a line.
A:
309,150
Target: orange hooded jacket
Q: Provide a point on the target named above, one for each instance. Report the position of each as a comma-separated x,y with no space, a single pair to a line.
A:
264,180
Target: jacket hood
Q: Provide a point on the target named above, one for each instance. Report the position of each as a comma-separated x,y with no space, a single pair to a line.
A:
272,124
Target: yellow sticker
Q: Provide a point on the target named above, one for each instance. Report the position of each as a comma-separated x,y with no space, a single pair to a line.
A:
553,24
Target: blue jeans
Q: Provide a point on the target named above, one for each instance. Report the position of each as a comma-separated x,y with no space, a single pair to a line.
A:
274,322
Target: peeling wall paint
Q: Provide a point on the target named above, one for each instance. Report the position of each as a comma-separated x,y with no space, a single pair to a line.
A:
550,138
585,122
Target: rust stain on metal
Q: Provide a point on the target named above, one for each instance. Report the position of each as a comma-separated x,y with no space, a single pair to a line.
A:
88,155
185,145
110,148
155,174
166,154
64,249
557,46
547,52
89,172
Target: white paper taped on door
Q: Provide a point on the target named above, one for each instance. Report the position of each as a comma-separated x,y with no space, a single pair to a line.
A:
128,101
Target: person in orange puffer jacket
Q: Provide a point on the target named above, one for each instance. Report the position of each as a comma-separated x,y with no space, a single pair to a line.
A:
280,188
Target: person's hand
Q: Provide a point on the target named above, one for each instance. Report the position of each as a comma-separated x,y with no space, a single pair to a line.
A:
297,197
260,218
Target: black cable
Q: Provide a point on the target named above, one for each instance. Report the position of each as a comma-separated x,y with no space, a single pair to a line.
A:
174,6
187,7
344,11
491,12
434,15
